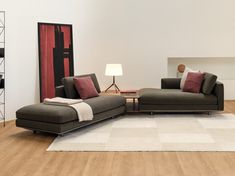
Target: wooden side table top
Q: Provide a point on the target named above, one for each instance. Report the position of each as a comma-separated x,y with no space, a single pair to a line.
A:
130,95
127,95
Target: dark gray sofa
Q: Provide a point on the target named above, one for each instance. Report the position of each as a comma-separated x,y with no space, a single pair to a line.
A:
62,119
170,98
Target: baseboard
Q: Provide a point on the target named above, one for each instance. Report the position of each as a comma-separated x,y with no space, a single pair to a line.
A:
7,120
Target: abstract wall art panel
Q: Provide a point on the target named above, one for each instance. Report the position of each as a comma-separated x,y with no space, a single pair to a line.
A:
55,56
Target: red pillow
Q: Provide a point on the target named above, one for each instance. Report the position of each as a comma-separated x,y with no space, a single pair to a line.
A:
85,87
193,82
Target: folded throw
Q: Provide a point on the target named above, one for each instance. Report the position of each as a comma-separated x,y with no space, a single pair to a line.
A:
61,101
84,110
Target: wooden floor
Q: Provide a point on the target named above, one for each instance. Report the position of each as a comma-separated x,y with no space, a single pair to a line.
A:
24,153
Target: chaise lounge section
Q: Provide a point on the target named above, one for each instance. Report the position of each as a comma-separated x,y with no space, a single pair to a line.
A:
62,119
170,98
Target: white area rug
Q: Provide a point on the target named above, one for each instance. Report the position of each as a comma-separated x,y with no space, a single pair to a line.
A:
143,132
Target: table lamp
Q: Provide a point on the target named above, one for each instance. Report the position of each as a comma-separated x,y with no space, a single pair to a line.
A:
113,70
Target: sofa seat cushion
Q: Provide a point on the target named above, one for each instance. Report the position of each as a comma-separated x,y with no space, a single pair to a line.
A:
47,113
174,97
105,102
62,114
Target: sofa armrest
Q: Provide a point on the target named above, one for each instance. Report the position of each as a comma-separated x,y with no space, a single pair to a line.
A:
59,91
219,93
170,83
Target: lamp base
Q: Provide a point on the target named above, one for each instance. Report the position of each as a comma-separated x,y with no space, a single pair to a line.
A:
113,85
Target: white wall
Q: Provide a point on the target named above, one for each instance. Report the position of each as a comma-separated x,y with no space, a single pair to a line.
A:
140,34
143,34
223,67
22,80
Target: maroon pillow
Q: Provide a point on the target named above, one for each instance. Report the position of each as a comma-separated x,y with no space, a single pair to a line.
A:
193,82
85,87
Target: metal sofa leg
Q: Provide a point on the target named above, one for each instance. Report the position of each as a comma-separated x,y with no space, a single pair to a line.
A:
61,135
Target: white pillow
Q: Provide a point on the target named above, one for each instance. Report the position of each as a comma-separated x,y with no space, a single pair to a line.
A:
184,76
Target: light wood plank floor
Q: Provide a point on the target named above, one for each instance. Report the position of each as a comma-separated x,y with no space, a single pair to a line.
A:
24,153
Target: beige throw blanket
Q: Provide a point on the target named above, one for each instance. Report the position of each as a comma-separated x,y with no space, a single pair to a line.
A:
61,101
83,110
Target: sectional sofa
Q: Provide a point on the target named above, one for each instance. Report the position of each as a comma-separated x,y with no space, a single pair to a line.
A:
62,119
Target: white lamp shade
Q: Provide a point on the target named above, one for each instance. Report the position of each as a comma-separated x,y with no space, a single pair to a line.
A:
113,70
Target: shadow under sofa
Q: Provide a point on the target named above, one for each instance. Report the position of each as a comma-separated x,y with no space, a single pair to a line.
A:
170,98
62,119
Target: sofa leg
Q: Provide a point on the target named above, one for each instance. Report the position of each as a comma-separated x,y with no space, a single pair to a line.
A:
61,135
151,113
34,132
209,113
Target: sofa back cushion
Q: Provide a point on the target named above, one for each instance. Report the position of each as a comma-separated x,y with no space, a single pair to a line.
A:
193,82
208,83
69,87
85,87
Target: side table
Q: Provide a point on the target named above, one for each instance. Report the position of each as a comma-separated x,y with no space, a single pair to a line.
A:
133,96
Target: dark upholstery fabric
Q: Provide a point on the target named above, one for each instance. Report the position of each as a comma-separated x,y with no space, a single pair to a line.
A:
170,83
70,89
177,108
47,113
218,91
208,83
59,92
174,97
62,114
64,127
105,102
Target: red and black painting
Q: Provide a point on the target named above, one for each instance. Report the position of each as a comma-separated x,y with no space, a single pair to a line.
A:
55,56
